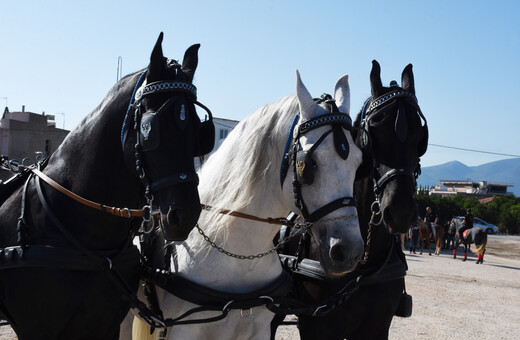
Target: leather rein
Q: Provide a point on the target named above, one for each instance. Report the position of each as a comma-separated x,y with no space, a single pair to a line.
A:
145,212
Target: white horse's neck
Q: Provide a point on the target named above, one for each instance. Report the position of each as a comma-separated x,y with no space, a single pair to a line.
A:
217,270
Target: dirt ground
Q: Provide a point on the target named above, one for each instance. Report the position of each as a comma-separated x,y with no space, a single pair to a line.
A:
459,300
452,299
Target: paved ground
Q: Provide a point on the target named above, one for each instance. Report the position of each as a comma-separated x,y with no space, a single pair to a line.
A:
452,299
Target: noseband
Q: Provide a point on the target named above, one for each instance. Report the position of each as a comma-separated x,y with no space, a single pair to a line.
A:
302,160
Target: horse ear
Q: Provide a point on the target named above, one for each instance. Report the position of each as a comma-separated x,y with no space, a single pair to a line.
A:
342,94
307,105
190,61
407,79
157,63
375,79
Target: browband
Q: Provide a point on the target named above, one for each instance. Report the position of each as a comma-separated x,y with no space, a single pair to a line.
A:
166,86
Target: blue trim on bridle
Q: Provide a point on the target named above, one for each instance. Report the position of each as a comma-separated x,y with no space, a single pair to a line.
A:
123,129
283,171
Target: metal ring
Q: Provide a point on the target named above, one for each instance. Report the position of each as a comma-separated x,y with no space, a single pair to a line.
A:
109,263
147,215
248,315
375,207
226,305
266,297
144,230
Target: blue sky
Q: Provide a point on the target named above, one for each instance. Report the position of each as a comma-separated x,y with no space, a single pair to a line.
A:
61,57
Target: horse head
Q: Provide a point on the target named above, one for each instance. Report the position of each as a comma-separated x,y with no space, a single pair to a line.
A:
391,126
326,160
168,136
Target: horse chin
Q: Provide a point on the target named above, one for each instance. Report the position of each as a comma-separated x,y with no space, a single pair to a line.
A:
333,272
398,213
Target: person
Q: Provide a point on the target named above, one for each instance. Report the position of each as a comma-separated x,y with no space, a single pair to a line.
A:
467,223
414,236
432,219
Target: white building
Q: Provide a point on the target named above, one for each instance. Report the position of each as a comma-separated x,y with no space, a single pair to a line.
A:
480,189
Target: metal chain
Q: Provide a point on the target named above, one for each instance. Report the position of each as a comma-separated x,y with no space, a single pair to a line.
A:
375,208
305,226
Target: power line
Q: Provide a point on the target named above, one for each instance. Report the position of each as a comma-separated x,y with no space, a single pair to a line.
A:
472,150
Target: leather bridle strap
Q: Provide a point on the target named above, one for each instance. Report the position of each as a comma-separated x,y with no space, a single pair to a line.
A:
330,207
121,212
270,220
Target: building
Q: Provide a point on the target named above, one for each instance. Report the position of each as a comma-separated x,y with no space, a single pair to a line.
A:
24,133
480,189
222,129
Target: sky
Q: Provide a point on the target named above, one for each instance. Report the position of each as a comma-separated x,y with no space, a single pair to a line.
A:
61,58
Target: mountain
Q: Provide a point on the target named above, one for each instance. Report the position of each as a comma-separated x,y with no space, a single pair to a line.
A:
503,171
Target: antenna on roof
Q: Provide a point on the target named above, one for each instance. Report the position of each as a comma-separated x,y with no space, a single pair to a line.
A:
119,68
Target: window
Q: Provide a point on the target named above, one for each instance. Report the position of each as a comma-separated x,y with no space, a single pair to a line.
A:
47,148
223,133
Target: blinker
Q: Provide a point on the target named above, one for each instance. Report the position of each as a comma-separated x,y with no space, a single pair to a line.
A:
340,142
304,167
149,128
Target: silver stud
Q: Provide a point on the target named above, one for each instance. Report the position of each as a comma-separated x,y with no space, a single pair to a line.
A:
183,112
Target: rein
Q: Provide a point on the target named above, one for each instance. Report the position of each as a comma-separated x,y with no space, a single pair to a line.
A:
269,220
145,212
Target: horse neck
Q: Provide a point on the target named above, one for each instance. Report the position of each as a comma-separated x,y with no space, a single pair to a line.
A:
206,265
90,163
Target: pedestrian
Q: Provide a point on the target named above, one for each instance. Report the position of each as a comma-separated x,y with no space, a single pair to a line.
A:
414,236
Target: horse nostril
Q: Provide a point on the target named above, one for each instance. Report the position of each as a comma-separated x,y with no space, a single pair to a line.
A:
172,217
337,253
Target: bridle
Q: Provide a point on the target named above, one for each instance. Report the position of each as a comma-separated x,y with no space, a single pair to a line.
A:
302,163
147,132
373,108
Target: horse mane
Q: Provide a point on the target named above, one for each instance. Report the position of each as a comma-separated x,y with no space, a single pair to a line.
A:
118,95
246,165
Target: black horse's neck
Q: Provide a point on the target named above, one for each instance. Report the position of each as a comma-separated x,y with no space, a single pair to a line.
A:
91,163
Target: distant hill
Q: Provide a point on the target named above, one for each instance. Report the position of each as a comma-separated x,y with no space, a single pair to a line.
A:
504,171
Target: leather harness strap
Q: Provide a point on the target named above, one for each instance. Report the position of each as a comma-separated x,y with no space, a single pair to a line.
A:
270,220
121,212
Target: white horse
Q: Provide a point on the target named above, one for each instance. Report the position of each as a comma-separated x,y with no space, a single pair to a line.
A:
244,176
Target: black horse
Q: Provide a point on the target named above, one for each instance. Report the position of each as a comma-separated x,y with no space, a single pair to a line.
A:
68,269
389,125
